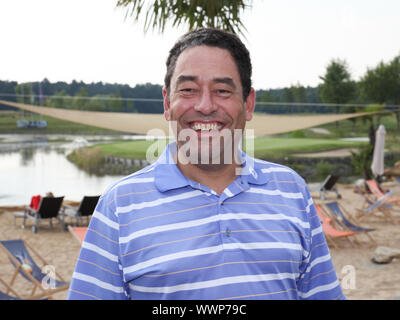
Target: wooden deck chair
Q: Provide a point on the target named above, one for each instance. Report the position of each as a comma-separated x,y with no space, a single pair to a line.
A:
329,229
46,283
340,214
85,209
329,184
377,192
49,209
6,290
373,207
78,233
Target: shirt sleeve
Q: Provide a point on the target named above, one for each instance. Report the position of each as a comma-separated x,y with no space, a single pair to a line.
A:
318,280
98,272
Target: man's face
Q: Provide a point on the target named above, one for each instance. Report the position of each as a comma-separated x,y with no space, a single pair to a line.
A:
206,97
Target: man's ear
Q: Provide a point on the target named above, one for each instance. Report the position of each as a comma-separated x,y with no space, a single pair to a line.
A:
166,104
250,104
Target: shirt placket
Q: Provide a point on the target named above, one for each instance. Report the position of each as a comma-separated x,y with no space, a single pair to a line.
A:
227,231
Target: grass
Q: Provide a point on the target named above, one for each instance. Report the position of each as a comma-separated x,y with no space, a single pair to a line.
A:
265,147
278,147
127,149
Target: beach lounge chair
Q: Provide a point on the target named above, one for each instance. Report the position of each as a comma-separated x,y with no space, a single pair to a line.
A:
378,193
46,283
329,185
329,229
340,213
78,233
85,209
5,290
373,207
49,209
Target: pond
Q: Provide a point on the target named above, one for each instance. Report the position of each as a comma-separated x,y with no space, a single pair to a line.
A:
32,165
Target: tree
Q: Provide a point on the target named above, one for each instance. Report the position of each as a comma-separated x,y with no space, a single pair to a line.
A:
382,84
80,99
60,99
222,14
337,86
23,92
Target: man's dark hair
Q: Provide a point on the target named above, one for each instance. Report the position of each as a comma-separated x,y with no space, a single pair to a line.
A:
213,38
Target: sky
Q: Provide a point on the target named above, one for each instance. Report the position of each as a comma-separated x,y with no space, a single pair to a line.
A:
291,42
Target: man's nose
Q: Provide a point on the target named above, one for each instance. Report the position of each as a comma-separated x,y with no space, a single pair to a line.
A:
206,103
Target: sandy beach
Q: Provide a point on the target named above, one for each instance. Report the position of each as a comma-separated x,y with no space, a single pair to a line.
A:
361,279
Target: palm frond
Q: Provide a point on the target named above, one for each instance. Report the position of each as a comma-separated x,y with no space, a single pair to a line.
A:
222,14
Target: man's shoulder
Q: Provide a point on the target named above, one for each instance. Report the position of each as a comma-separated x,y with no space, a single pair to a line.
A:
137,179
276,171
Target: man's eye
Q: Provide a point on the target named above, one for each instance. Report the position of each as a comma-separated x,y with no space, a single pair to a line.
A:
187,90
223,92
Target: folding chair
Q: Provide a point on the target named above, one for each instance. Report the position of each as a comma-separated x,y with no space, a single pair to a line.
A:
78,233
377,192
5,295
49,208
329,230
339,212
329,185
85,209
380,205
47,283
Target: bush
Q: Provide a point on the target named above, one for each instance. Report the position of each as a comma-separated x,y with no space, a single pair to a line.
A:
324,168
361,161
88,159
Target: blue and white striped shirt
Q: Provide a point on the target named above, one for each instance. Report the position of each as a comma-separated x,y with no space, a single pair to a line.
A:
158,235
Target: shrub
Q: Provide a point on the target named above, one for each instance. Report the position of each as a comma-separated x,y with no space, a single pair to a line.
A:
324,168
88,159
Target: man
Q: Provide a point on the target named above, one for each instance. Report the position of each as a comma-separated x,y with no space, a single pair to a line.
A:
200,222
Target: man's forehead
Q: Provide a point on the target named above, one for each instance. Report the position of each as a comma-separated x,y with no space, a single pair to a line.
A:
210,52
215,63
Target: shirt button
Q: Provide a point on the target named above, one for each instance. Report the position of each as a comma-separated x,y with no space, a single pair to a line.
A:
228,232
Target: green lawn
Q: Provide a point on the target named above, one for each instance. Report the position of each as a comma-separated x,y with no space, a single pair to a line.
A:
126,149
274,147
265,147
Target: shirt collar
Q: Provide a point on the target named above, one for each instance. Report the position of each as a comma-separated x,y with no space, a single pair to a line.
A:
169,177
167,174
251,170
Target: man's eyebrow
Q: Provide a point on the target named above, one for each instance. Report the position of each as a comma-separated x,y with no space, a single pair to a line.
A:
183,78
225,80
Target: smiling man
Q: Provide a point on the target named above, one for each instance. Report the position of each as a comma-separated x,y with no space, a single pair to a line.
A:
206,220
205,97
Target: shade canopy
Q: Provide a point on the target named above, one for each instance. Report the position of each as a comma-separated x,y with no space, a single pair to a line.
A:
142,123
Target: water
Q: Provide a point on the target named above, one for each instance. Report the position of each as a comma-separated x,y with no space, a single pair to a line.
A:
31,165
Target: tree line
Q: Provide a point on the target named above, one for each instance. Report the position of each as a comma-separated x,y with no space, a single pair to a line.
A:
143,98
378,87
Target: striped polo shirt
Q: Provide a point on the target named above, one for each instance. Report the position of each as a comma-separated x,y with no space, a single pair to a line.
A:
158,235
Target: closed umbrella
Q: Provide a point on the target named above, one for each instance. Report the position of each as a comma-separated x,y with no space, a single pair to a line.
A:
377,165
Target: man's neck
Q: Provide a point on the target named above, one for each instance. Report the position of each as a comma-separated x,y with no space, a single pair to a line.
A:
215,176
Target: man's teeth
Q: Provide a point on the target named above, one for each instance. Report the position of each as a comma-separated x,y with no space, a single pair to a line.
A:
206,126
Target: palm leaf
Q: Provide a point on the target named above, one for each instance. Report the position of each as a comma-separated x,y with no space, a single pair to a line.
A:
222,14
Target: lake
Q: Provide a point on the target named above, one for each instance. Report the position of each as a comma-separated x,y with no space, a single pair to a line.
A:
32,165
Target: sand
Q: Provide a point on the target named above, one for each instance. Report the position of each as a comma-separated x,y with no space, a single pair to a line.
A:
360,278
